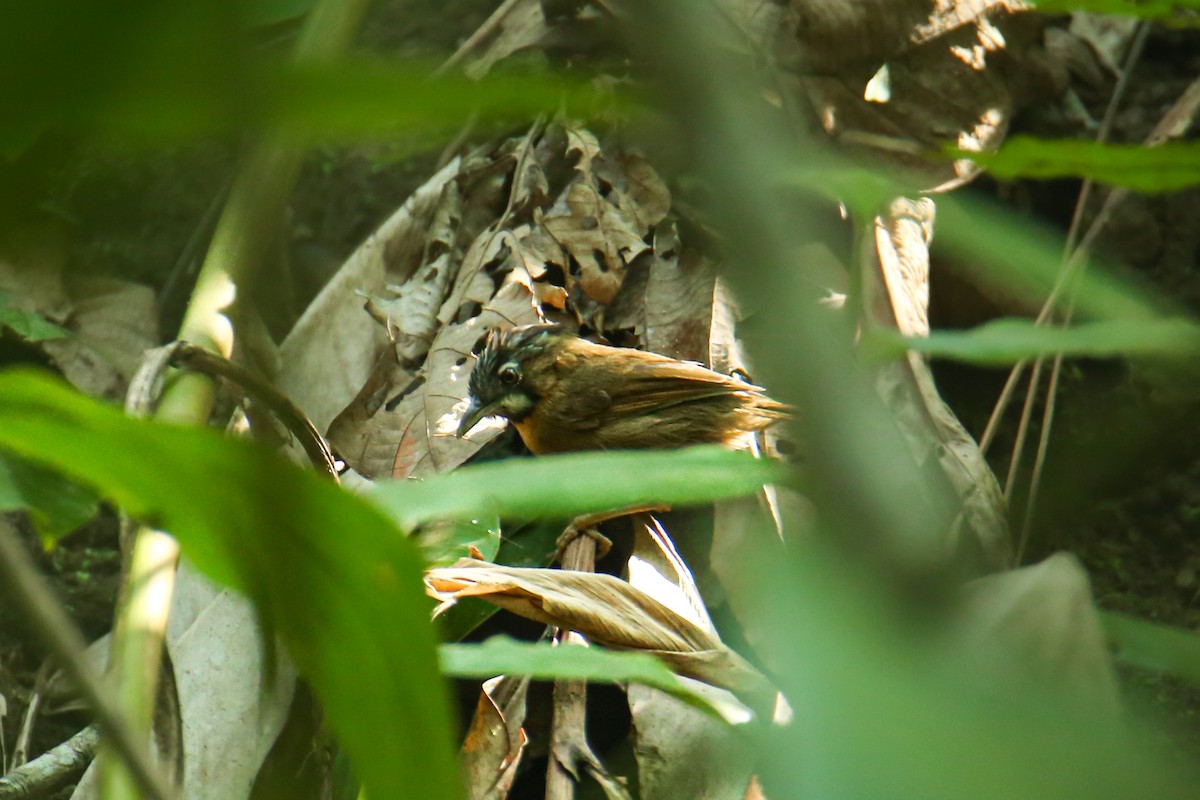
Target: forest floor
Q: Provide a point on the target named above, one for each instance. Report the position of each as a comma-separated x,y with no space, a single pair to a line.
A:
1137,530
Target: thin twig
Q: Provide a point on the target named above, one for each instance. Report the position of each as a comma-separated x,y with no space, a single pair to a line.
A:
1072,260
1074,263
1075,266
55,769
287,412
570,697
49,622
1014,464
489,27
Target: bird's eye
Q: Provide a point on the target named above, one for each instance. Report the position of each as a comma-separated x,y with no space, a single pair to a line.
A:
509,374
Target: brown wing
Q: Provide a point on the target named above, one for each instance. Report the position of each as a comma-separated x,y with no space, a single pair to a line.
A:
654,385
619,382
597,397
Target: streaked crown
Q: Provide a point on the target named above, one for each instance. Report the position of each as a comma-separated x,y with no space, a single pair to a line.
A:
499,370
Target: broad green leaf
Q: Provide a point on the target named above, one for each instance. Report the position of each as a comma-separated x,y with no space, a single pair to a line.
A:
988,240
260,13
882,712
501,655
566,485
1166,168
29,325
530,544
164,71
1008,341
1168,11
1153,646
56,505
446,541
328,572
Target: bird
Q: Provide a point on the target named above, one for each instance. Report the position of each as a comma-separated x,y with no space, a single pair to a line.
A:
564,393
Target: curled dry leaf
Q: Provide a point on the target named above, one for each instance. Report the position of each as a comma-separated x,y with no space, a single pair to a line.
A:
903,78
334,351
673,738
410,314
541,226
678,304
609,612
110,322
515,26
495,741
599,238
898,297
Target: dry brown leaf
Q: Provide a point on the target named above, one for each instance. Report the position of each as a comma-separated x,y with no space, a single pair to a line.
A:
679,750
516,25
637,190
364,434
678,299
230,716
599,238
609,612
334,349
495,741
411,309
902,78
898,298
113,323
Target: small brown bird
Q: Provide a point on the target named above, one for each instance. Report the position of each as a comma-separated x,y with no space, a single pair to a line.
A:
564,393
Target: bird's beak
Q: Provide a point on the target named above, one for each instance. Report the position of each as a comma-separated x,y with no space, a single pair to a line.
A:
472,416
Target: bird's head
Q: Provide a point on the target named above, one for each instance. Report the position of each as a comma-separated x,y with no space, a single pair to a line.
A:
499,384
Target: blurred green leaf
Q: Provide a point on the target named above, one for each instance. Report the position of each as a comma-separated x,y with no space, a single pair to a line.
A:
884,713
29,325
328,571
56,505
1007,341
530,544
207,87
446,541
1169,11
1153,646
1166,168
501,655
1000,248
989,241
567,485
260,13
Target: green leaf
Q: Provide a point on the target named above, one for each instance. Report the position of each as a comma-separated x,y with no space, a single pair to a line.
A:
1008,341
328,571
988,241
501,655
150,72
446,541
1166,168
29,325
56,505
261,13
530,544
1152,646
882,712
566,485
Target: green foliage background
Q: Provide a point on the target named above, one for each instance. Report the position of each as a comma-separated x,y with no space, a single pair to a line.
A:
882,712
